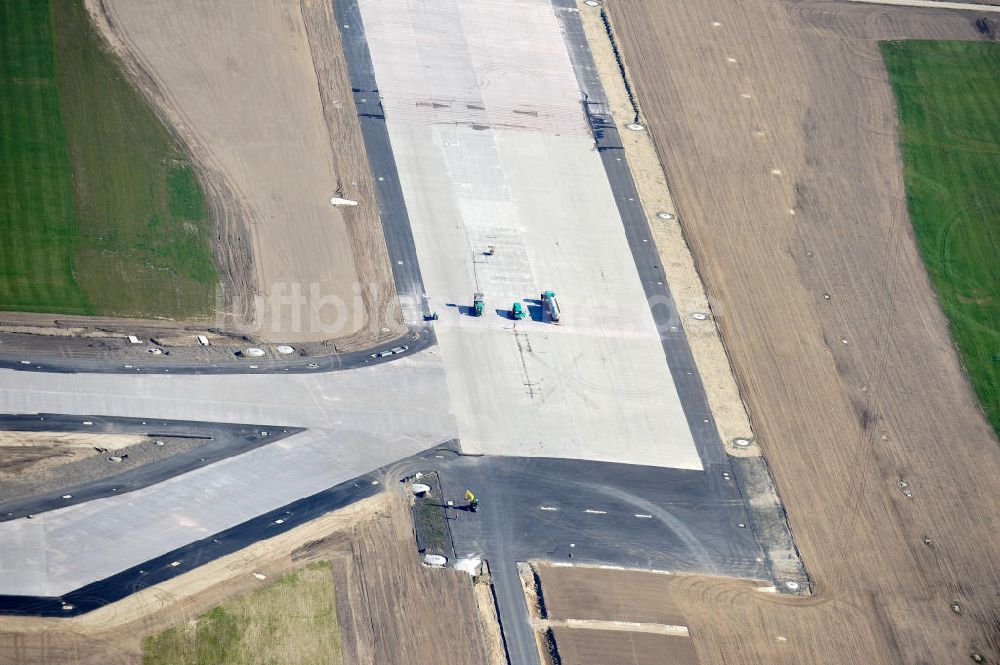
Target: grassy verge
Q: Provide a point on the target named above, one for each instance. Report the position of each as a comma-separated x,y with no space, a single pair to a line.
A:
37,215
948,94
102,211
290,622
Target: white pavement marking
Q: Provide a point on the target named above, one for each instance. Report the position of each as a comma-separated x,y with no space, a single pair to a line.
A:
590,511
486,122
548,508
643,517
933,4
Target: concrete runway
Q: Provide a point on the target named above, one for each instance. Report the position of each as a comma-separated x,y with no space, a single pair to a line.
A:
357,420
62,550
475,123
493,148
220,441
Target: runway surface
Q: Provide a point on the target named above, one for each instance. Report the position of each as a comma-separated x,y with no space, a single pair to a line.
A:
485,124
493,148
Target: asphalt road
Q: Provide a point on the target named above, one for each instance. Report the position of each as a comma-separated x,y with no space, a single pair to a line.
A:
395,220
417,338
596,513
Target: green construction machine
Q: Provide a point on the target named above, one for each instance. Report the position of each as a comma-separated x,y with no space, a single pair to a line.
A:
477,304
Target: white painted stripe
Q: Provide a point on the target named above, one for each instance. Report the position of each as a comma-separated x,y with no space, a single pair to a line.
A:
934,4
548,508
644,517
595,512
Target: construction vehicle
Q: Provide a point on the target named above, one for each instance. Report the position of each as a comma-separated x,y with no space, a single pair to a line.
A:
472,501
550,306
477,304
517,311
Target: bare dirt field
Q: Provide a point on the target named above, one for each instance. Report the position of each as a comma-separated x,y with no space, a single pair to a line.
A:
604,594
28,453
396,611
776,124
258,92
390,608
602,615
598,647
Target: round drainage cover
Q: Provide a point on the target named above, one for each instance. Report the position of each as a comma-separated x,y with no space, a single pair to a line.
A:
635,127
741,442
592,3
285,349
255,352
665,216
699,316
435,560
420,488
792,585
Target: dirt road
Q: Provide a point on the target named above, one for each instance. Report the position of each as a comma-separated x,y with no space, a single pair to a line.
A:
258,92
776,124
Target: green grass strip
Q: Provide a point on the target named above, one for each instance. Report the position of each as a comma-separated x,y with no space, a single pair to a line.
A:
100,211
144,240
948,94
37,217
291,622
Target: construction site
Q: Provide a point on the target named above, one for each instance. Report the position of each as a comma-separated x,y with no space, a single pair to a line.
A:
545,332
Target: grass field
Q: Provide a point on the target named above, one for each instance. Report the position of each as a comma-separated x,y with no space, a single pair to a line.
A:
102,213
948,93
290,622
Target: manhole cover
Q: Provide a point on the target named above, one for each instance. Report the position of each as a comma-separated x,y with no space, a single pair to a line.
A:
665,216
635,127
741,442
699,316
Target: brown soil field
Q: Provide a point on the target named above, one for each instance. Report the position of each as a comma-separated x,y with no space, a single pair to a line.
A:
258,92
396,611
608,595
776,124
599,647
390,608
26,454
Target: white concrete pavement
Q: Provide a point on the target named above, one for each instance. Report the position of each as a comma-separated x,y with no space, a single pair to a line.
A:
405,396
359,420
62,550
492,146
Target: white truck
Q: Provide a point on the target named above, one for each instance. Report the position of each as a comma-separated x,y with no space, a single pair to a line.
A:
550,306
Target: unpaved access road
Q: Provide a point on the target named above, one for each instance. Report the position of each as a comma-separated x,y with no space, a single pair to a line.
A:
776,125
259,94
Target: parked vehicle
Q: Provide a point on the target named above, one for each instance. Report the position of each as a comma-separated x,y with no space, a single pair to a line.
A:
550,306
